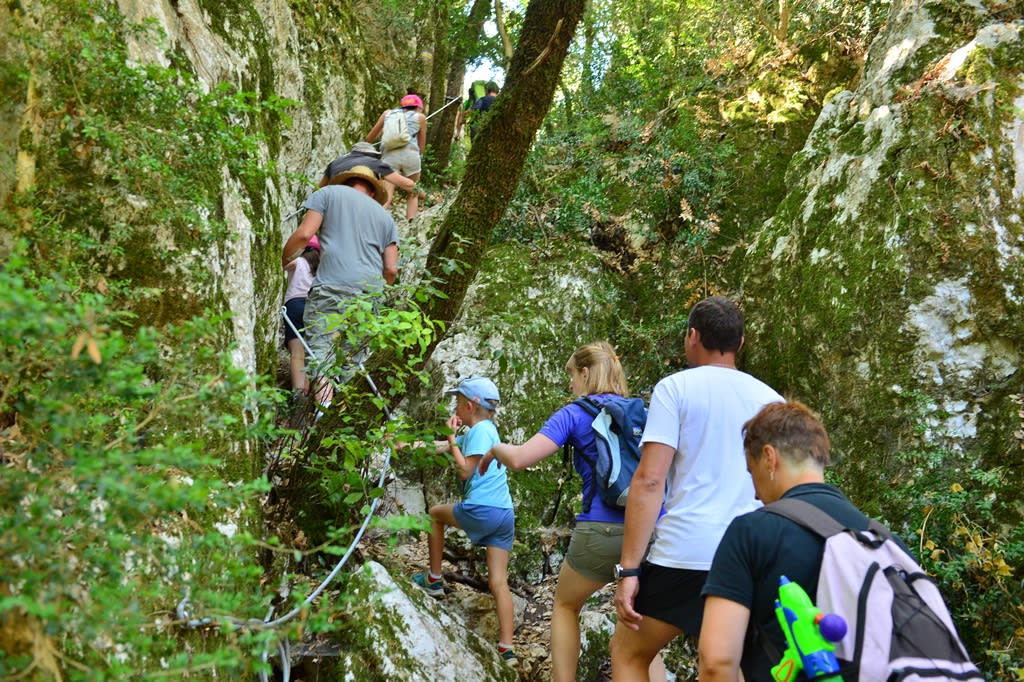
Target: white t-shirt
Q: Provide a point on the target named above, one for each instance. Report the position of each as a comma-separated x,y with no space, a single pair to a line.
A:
300,279
700,412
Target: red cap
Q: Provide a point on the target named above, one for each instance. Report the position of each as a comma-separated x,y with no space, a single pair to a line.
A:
412,101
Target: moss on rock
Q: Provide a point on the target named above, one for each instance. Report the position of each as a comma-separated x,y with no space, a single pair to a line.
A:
899,212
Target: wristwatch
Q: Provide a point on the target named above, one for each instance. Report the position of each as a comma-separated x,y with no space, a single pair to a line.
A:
621,572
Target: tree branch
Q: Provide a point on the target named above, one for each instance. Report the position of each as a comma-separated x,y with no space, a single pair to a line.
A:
546,51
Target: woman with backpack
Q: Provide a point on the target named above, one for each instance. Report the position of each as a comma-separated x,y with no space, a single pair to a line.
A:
594,373
403,136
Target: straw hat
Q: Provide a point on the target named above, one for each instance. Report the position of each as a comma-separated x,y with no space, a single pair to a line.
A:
363,173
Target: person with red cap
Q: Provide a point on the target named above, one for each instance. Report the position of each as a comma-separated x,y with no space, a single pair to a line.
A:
405,157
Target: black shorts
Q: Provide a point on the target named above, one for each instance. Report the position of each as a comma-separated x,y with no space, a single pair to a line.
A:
672,595
294,308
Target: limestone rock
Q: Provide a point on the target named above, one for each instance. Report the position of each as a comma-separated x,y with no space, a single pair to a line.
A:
895,258
399,633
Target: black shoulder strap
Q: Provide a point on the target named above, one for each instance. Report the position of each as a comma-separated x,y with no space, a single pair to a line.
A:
817,520
589,405
806,515
593,408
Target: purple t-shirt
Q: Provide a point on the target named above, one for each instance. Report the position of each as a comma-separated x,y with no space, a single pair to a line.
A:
571,425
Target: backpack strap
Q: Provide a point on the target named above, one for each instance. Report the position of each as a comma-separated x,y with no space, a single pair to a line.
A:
820,522
593,408
589,405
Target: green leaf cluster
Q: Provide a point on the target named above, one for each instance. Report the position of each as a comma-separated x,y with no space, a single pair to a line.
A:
122,488
954,519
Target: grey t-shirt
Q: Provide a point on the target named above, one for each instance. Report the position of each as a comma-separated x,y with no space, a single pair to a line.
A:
353,236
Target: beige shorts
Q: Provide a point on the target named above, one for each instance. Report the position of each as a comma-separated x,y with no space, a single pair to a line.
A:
405,160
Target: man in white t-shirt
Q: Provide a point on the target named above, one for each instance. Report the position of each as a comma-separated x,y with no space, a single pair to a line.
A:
692,456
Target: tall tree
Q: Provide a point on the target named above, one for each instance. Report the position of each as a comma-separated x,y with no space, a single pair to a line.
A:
500,148
440,19
467,35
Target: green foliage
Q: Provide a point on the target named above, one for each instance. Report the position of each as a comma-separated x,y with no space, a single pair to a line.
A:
117,460
958,515
583,181
332,466
657,53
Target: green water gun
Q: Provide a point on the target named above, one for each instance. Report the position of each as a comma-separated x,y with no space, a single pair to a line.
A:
810,635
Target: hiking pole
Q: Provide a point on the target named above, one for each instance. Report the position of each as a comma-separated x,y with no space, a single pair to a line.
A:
451,101
288,321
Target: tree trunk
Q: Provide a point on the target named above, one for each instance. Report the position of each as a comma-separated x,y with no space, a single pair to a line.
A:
506,42
440,16
570,118
587,80
499,150
442,127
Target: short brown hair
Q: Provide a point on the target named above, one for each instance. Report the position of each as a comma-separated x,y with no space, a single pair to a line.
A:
720,323
792,428
605,375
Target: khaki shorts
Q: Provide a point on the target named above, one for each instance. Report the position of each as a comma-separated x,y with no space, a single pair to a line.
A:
324,300
405,160
594,549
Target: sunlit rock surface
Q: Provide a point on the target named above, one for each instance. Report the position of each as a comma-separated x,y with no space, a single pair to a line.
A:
887,289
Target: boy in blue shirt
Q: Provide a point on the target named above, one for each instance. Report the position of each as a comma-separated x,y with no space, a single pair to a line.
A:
485,513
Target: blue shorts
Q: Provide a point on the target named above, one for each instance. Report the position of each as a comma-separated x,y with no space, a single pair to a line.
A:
294,309
487,526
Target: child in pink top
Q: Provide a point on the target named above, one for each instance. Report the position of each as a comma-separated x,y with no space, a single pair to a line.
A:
300,278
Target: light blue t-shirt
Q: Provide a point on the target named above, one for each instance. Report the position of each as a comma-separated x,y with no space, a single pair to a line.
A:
491,489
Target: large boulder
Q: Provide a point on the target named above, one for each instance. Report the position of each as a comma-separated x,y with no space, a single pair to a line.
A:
398,633
887,289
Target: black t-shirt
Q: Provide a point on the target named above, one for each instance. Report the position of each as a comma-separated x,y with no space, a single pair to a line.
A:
484,103
758,548
353,159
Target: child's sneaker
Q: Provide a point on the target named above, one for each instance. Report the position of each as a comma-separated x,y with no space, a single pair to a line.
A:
508,655
435,588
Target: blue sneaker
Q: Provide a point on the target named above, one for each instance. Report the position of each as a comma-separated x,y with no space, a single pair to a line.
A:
434,589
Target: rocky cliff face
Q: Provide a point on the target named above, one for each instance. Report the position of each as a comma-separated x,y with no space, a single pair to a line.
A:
887,290
312,77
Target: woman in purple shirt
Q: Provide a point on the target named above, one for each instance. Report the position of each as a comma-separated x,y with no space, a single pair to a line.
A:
595,372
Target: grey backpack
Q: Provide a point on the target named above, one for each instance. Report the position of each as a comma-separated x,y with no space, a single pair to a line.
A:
899,628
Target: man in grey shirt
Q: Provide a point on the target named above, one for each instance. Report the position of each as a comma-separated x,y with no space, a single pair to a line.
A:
358,253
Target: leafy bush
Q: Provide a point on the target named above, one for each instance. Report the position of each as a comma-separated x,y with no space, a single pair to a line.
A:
128,486
962,519
327,470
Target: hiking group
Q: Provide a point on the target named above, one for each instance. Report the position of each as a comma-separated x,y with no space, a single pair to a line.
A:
347,242
709,510
686,539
